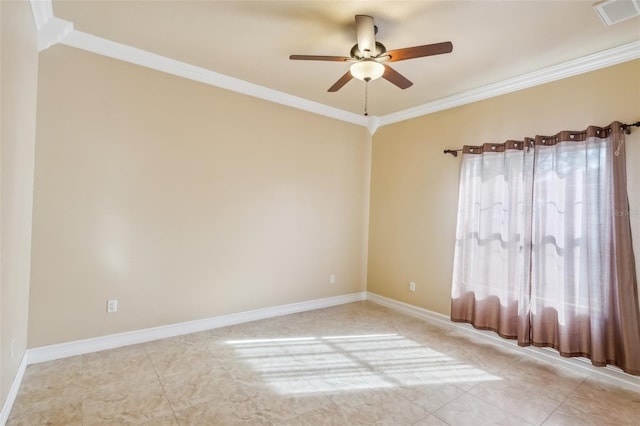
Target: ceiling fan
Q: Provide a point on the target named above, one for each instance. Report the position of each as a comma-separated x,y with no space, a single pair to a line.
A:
370,57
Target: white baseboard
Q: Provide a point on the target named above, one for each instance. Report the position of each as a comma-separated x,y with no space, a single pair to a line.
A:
13,391
609,374
79,347
84,346
410,309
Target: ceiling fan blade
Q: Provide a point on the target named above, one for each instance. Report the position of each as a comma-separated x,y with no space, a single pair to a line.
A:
365,33
420,51
341,82
396,78
319,58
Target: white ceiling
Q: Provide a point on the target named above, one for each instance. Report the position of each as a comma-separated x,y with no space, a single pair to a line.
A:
252,40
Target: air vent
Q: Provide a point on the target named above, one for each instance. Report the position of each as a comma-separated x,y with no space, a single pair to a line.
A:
614,11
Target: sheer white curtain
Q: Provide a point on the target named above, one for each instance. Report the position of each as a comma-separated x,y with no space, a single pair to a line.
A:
491,265
571,199
543,245
584,299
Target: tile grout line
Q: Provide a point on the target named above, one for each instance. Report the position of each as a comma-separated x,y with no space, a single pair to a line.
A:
91,367
563,403
164,391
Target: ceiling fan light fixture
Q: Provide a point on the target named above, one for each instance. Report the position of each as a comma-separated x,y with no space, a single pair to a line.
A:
367,70
369,57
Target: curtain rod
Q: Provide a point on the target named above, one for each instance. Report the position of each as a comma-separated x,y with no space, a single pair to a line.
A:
625,127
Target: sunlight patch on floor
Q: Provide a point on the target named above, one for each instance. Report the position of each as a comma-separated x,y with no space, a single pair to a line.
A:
305,365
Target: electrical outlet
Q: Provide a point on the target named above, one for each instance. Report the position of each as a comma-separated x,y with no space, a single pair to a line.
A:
112,306
412,286
332,279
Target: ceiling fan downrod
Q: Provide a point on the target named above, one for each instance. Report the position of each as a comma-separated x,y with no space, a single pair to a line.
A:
369,57
366,96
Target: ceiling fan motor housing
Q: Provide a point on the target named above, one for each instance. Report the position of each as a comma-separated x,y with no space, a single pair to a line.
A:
357,54
370,58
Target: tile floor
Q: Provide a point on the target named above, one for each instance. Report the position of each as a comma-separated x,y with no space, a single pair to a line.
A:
355,364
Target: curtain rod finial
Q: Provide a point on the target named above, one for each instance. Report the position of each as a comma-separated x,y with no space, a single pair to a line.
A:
451,151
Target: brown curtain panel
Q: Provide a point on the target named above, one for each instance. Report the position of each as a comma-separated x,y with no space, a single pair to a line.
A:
584,293
558,224
492,260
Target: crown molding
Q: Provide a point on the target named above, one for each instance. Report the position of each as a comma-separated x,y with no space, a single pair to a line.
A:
52,30
372,124
605,58
42,11
146,59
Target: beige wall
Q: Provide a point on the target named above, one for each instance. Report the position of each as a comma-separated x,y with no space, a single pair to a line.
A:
414,186
183,201
19,79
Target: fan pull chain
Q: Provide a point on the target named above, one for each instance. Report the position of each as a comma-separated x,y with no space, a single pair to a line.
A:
366,97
